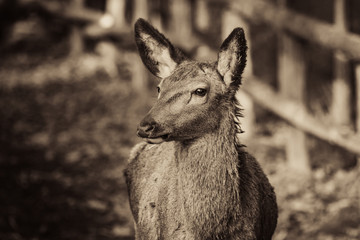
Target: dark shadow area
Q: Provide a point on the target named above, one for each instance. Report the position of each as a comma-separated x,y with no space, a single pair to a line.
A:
59,150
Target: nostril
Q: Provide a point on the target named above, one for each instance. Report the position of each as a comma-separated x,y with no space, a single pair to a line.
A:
148,128
145,131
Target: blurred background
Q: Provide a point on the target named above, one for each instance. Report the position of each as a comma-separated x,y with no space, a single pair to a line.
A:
73,89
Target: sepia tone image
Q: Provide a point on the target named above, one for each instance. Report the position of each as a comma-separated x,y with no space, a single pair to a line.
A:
179,119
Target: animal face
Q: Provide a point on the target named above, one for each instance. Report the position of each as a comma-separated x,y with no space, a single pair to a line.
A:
188,106
193,96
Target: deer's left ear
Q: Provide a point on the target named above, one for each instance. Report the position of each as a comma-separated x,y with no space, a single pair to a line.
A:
232,58
156,51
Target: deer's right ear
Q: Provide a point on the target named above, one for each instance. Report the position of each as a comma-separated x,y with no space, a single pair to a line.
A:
156,51
232,58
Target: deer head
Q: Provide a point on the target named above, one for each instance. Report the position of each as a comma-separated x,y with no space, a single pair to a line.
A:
193,96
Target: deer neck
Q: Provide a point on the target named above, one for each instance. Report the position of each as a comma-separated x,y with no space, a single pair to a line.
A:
208,177
213,149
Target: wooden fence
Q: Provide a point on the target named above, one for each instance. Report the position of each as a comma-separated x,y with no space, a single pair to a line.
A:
189,18
289,103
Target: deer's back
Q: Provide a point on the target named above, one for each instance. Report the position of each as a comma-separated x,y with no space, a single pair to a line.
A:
258,200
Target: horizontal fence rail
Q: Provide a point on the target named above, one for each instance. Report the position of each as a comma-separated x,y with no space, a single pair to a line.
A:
259,11
296,114
82,15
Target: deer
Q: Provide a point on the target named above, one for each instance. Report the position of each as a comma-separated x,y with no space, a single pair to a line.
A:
191,178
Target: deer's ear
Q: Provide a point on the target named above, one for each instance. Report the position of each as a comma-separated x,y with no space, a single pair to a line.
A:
232,58
156,52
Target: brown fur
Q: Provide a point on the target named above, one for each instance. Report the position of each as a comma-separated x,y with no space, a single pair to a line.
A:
199,183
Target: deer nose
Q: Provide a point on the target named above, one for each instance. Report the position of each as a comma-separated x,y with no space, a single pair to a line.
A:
146,127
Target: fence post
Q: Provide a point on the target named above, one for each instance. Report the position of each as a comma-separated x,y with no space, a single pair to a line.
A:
76,38
139,74
202,15
108,51
180,26
140,10
116,8
109,54
292,80
155,14
357,83
341,101
231,20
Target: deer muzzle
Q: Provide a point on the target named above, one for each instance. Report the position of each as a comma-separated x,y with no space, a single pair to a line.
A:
149,130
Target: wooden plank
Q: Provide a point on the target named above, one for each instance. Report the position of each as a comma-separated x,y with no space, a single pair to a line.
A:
76,41
181,18
292,79
75,14
180,27
202,18
297,115
231,20
260,11
341,88
112,22
116,8
139,74
341,91
357,123
357,76
76,38
155,14
140,10
109,54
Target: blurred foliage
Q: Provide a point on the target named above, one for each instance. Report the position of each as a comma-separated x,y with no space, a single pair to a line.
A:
64,142
324,205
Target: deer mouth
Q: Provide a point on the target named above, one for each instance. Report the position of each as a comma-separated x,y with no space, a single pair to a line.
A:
158,139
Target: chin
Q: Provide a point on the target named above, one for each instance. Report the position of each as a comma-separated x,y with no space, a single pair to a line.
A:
155,140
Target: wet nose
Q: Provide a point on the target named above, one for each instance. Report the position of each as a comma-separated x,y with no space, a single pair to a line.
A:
146,127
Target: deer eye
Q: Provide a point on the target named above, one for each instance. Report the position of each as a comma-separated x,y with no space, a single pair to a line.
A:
158,89
200,92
